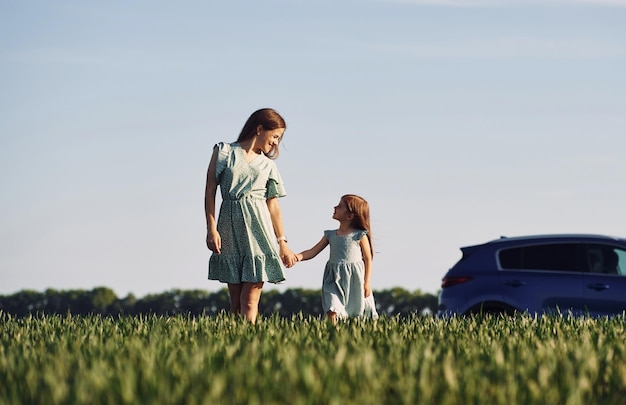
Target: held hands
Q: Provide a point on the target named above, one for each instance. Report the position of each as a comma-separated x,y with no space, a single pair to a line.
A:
287,256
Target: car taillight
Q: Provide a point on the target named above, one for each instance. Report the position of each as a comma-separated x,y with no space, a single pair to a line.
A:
452,281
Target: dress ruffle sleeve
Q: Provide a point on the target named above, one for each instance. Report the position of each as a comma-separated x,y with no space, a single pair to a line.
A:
358,234
223,156
275,185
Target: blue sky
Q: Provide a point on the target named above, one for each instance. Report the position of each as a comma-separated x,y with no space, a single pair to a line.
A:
459,121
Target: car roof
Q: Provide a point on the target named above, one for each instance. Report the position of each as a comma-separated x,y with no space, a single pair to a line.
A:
581,237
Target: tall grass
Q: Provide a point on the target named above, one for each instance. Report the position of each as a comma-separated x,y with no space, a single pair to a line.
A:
303,360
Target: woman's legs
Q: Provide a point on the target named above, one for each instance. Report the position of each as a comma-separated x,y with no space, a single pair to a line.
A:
244,299
235,297
250,297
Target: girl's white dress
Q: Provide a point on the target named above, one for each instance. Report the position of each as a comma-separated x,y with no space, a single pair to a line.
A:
344,276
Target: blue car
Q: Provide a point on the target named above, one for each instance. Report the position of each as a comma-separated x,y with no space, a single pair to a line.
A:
542,274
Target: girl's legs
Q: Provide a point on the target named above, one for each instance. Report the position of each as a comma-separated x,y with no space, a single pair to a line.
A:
244,299
332,317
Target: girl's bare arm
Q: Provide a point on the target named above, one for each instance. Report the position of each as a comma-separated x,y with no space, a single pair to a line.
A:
314,251
366,252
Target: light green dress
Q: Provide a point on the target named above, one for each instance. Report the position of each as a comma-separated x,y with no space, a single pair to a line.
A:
344,277
248,251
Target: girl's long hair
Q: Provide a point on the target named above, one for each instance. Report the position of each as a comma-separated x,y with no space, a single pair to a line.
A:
360,208
268,119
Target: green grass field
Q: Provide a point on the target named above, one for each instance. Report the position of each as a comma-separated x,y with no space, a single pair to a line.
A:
223,360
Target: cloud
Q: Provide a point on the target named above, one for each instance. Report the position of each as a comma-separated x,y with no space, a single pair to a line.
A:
53,56
500,3
508,47
118,59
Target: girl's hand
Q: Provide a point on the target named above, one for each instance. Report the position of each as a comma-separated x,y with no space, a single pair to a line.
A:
214,241
368,290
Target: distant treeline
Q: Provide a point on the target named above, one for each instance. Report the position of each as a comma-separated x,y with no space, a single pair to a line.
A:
103,301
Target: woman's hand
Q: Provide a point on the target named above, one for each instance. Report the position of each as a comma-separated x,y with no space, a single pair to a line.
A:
287,256
214,241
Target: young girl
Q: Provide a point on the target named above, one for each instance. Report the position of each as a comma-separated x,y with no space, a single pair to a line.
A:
346,290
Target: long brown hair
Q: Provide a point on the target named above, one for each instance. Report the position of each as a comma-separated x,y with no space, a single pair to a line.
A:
359,207
268,119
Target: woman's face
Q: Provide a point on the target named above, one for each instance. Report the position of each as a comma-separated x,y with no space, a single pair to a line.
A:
268,139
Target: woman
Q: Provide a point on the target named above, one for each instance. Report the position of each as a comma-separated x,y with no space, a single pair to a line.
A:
243,238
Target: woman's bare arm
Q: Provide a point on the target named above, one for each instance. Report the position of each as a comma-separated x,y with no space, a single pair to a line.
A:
213,239
286,255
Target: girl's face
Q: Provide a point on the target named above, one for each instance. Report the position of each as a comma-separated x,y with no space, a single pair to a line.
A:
268,139
342,213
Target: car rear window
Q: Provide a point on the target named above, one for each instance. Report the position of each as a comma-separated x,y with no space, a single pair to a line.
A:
555,257
606,259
